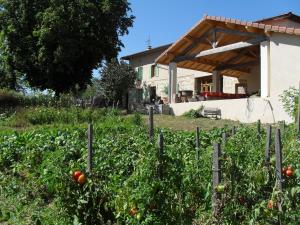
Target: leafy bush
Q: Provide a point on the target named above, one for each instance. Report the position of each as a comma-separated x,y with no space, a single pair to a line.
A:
194,113
50,115
289,99
9,98
137,119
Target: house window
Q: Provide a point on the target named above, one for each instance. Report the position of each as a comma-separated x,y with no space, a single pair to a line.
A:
154,71
140,73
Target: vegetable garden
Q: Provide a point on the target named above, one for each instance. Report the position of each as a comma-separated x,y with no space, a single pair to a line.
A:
133,181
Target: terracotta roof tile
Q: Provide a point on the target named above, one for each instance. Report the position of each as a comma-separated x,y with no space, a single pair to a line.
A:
297,31
290,30
269,27
255,25
263,27
282,29
275,28
266,27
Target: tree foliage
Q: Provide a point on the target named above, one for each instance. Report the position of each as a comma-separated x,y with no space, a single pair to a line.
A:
117,78
289,98
57,43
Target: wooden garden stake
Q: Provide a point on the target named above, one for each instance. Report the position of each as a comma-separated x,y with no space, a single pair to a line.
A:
278,154
282,126
216,178
224,138
279,179
298,116
90,149
258,128
197,144
151,125
268,145
233,130
160,155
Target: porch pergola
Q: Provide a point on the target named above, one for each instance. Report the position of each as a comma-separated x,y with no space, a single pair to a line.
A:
221,47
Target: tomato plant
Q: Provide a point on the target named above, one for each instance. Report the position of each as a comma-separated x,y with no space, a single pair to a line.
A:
125,187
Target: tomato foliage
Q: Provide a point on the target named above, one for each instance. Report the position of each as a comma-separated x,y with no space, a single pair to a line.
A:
37,182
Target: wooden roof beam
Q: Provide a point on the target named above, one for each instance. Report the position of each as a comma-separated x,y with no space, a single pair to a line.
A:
237,66
222,49
195,41
219,65
238,55
237,32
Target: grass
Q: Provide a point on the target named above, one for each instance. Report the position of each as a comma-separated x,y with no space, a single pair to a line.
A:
189,124
34,117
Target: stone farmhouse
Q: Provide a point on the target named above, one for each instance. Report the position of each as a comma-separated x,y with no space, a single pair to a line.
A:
238,67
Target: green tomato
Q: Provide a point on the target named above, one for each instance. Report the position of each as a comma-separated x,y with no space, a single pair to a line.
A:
220,188
273,160
138,216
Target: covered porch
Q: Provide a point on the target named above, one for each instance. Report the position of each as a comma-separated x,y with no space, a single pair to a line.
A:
235,55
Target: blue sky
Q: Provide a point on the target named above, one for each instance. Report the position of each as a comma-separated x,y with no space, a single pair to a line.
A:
166,20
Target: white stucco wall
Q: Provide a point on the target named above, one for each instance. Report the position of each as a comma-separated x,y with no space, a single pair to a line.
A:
246,110
252,79
185,77
284,63
229,84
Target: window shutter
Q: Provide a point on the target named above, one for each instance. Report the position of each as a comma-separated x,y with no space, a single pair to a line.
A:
156,71
140,73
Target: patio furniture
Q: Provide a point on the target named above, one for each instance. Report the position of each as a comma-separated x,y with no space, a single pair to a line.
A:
220,95
213,112
185,94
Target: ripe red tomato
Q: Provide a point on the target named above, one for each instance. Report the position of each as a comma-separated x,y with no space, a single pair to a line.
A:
76,175
242,200
81,179
133,211
284,169
270,204
290,168
289,173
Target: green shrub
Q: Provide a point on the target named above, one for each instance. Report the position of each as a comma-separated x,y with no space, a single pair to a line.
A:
289,98
137,119
194,113
51,115
10,98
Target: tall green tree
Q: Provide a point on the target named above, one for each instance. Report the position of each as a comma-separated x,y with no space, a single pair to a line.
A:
56,44
116,79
